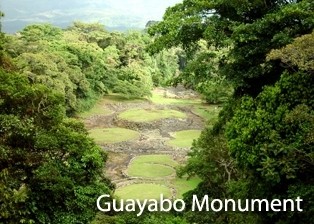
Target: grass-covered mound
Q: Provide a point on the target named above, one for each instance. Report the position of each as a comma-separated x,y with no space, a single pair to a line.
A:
152,166
206,111
143,191
96,110
182,185
184,139
160,99
142,115
102,135
162,159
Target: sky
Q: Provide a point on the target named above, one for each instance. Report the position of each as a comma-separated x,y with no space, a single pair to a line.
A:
114,14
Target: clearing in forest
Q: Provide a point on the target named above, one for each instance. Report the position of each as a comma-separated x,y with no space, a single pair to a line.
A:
147,115
112,134
142,157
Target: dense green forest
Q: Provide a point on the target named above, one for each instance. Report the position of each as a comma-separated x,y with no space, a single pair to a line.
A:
51,170
85,61
262,144
255,57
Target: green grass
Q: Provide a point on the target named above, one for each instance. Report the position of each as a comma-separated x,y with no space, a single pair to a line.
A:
143,191
116,98
151,166
184,139
183,185
142,168
112,134
162,159
110,98
206,111
150,170
96,110
142,115
160,99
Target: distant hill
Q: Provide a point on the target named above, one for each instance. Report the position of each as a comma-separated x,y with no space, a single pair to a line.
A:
114,14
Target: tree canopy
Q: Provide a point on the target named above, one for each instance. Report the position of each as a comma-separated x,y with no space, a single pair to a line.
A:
249,30
261,145
51,171
255,56
85,62
45,157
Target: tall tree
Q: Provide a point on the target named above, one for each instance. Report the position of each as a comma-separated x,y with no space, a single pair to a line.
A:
5,61
269,118
275,143
50,170
248,29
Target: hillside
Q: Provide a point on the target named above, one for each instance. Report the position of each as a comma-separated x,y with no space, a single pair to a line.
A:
115,15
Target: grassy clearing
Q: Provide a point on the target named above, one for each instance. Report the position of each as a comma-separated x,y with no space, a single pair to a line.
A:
116,98
96,110
183,185
160,99
143,191
156,98
184,139
197,105
152,166
149,170
142,115
102,135
142,167
206,111
110,98
161,159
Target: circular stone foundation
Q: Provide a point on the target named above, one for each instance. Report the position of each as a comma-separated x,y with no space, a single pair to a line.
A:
147,115
184,139
102,135
150,170
151,166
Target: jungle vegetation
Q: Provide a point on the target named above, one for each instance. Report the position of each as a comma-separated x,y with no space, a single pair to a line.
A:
255,57
261,146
